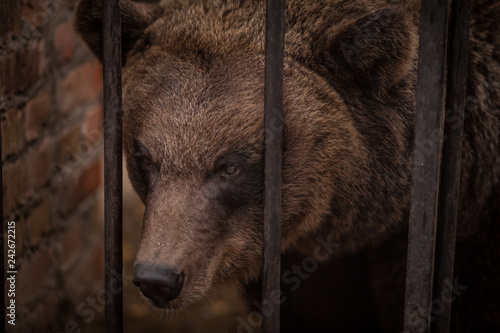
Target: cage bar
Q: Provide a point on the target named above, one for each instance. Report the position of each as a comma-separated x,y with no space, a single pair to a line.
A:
2,245
429,119
273,105
112,57
452,157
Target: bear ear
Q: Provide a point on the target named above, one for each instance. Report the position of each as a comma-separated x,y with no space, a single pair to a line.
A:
369,54
135,18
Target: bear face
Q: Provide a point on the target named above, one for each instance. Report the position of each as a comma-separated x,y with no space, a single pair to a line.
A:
194,132
201,198
197,163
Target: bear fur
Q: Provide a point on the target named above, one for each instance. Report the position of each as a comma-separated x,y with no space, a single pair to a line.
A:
193,93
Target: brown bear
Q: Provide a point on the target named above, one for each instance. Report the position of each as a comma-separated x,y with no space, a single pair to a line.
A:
194,138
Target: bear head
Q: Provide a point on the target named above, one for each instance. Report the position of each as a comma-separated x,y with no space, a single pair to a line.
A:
194,136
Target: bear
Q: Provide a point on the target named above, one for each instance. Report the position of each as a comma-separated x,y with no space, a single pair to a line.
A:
194,135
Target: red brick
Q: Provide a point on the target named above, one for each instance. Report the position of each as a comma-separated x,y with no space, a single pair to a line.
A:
71,247
66,151
38,222
38,53
65,41
12,132
97,210
67,157
92,128
28,8
29,29
14,185
90,179
83,84
37,113
79,281
34,275
23,68
38,167
80,188
40,12
97,259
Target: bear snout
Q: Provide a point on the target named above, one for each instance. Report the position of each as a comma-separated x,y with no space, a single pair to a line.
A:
158,283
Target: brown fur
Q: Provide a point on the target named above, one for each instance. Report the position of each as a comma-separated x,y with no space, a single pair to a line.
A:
193,100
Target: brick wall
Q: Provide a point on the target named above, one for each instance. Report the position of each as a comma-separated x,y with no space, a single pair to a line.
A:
50,104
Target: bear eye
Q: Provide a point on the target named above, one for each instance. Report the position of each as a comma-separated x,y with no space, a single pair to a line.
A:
147,162
232,169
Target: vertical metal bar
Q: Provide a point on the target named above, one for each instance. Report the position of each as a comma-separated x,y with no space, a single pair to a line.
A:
112,57
2,260
273,105
429,119
458,42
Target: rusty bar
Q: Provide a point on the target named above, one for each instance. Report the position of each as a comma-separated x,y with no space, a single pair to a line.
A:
429,117
458,41
273,105
113,281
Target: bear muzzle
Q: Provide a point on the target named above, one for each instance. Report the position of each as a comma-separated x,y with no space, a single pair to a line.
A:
158,283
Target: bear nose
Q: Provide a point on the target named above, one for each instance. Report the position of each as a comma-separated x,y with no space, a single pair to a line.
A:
158,283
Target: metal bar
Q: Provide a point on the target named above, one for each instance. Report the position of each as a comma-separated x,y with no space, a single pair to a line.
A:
2,245
429,119
113,281
273,105
451,160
